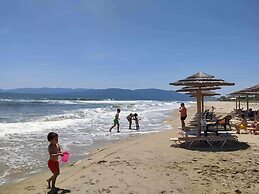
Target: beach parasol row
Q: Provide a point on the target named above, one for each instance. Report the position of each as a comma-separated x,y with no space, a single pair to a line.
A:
198,84
204,93
254,90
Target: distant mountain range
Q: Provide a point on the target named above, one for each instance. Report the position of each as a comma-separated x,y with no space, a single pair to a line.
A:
94,94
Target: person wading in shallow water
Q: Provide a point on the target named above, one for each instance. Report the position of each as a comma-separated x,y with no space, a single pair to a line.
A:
129,118
136,120
183,114
116,121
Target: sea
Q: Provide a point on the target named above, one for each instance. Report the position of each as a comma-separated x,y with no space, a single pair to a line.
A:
81,125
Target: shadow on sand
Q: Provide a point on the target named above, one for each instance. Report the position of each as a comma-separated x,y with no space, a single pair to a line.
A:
229,146
58,191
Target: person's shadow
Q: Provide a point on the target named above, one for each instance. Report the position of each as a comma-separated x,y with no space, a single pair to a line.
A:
58,191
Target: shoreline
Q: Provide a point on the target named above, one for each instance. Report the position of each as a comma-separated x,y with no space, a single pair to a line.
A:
95,148
78,139
92,148
147,164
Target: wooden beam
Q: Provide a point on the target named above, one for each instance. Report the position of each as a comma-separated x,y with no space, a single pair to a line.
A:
239,102
247,103
199,110
202,104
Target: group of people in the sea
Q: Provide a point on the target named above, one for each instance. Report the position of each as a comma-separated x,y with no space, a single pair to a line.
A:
130,118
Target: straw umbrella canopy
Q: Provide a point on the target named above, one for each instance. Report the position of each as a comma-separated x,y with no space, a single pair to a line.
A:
203,94
251,90
194,91
254,90
201,80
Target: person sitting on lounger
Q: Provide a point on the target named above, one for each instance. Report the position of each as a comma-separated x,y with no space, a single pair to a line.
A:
254,128
242,124
256,117
250,114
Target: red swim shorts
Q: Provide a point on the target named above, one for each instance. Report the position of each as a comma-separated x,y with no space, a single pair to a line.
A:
54,167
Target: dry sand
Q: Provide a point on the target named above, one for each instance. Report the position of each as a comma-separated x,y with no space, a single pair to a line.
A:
147,164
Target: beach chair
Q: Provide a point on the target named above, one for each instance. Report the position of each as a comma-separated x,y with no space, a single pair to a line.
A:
189,132
208,139
176,141
223,139
180,140
254,130
225,121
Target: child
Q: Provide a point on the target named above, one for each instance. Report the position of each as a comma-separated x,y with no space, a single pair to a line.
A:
129,118
241,125
54,153
116,121
136,121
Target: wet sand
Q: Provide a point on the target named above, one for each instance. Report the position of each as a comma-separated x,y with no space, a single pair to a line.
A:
147,164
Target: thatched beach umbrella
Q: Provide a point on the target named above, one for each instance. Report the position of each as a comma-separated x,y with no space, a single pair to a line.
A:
201,80
254,90
195,89
204,93
205,90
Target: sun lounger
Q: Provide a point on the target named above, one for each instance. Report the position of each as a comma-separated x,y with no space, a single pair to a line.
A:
253,130
208,139
190,132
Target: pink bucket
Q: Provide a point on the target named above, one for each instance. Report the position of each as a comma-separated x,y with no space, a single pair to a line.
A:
65,157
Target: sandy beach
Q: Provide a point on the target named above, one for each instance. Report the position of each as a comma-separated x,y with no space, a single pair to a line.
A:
147,164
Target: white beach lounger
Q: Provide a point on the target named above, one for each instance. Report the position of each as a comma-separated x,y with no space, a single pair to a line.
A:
208,139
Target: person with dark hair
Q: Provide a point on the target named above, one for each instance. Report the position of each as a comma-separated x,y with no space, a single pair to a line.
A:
116,121
256,117
183,114
54,152
250,114
129,118
136,120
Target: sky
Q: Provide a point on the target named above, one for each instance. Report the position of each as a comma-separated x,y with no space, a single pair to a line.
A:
127,44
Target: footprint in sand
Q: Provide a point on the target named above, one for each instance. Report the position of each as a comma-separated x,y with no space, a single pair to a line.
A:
238,191
29,188
101,161
107,190
91,182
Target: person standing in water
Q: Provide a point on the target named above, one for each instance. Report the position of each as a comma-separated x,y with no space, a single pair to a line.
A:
116,121
129,118
136,120
183,114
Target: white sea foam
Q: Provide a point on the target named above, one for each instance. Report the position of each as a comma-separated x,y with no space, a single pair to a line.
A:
24,144
87,118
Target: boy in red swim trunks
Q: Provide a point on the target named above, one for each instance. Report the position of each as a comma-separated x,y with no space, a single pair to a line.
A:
54,153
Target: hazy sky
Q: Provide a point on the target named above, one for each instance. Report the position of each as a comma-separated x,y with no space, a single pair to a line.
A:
127,43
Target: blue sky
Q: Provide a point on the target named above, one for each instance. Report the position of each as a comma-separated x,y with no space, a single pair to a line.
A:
127,43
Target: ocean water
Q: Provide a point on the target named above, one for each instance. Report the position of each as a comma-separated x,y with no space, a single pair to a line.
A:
81,124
